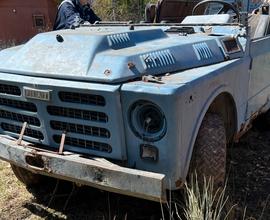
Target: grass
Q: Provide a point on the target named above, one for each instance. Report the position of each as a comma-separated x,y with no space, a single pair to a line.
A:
204,202
13,196
16,202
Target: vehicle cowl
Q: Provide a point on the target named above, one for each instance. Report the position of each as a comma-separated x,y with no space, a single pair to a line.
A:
100,55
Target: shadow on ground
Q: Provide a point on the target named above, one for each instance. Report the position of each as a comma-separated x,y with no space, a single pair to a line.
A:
73,202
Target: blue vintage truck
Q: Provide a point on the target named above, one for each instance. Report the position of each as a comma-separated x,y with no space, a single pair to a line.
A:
134,108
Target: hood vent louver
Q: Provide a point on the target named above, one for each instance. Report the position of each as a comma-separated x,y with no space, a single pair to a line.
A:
119,41
162,58
202,51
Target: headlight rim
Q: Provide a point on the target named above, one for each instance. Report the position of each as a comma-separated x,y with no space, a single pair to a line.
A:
136,126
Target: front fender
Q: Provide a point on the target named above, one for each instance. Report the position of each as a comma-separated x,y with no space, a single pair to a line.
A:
199,118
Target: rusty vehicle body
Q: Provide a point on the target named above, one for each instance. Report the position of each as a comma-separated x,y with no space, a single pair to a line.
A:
119,106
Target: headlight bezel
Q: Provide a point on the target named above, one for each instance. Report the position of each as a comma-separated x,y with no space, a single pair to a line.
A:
144,111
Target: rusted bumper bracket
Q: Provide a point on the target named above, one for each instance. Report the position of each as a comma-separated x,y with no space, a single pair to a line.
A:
95,172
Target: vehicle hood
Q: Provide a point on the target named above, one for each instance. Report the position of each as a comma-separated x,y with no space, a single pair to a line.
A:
106,55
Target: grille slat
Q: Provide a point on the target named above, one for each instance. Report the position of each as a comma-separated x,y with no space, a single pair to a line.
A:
82,98
80,129
17,129
10,89
77,113
19,117
28,106
86,144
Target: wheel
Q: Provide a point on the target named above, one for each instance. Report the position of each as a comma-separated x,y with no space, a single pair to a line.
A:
209,153
226,7
25,176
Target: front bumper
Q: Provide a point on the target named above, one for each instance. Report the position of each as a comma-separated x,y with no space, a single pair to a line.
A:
95,172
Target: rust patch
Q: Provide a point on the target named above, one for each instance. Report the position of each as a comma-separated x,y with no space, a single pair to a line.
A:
62,143
34,161
246,126
99,177
179,183
19,142
131,65
152,79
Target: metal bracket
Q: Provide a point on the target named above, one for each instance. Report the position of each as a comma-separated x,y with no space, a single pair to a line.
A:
19,141
62,143
152,79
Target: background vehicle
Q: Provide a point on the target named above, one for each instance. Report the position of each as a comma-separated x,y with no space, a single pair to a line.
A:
156,100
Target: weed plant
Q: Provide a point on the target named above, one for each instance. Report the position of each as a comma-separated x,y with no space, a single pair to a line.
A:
204,201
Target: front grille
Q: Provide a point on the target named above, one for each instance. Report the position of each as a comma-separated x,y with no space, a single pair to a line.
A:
80,129
28,106
82,98
83,142
19,117
9,89
86,144
17,129
77,113
85,117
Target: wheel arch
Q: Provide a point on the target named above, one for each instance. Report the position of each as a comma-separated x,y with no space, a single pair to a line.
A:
222,103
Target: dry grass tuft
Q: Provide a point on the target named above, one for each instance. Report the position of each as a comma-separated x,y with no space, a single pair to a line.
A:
206,203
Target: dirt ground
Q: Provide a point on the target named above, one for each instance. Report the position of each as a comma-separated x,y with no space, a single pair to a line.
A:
248,188
249,172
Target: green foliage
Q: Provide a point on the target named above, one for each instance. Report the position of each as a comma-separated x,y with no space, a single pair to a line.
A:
121,10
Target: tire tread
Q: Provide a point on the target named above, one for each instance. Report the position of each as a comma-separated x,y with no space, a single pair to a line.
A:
209,154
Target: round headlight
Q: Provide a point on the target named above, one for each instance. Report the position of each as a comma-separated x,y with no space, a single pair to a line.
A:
147,120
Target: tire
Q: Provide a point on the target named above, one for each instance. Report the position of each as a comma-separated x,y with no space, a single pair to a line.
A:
28,178
209,153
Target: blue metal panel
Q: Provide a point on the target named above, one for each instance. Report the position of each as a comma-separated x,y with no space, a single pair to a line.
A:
183,113
101,57
259,86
